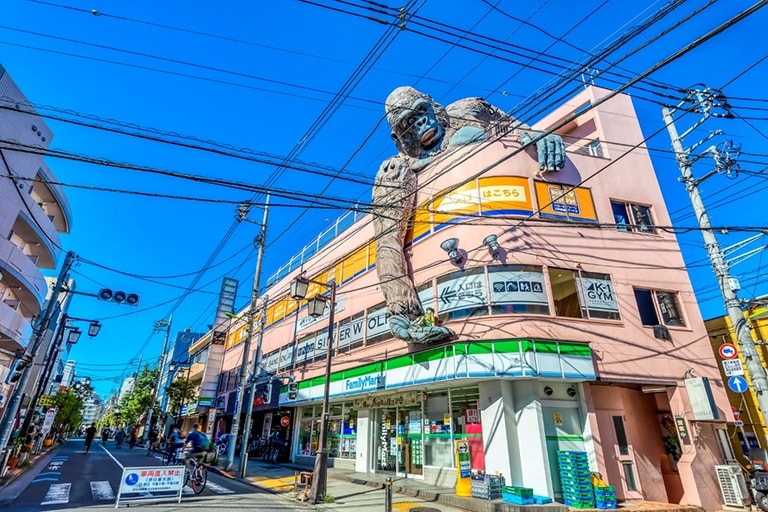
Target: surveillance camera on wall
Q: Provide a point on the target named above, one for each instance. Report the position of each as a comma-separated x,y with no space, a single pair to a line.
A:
571,391
548,390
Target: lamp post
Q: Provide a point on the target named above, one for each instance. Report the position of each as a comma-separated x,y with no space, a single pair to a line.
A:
53,352
316,307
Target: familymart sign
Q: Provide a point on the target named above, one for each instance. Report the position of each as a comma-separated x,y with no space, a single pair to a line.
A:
499,358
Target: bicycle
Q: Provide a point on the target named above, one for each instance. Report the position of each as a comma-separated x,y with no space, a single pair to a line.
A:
196,473
172,457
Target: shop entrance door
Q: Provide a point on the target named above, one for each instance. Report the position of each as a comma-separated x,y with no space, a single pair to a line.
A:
387,447
620,464
563,431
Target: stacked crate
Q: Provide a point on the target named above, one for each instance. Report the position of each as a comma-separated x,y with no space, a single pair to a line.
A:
575,479
487,487
518,495
605,497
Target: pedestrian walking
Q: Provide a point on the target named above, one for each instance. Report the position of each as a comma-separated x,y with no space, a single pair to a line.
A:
90,433
119,438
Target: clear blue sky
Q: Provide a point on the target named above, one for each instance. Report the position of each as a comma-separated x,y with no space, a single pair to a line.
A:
276,79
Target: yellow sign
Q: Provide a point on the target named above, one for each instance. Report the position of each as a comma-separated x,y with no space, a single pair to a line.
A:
565,202
450,206
505,195
45,401
557,418
463,468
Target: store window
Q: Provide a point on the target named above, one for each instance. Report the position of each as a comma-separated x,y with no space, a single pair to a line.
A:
580,294
342,431
517,289
465,417
659,307
463,294
351,332
438,445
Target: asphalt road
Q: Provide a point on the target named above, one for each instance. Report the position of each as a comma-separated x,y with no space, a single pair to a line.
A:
68,479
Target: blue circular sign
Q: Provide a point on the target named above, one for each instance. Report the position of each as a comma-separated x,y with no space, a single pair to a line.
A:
738,384
131,479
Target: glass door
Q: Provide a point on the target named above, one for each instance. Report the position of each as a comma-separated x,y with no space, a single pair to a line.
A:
387,447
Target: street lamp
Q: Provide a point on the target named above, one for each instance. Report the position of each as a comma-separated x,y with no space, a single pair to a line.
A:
316,307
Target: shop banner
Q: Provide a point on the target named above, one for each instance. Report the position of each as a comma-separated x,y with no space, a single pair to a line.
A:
467,291
598,294
517,287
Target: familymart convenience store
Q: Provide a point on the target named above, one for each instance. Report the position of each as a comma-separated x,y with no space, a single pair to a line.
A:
403,414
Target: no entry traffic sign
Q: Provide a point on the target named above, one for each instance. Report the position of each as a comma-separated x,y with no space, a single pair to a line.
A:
727,351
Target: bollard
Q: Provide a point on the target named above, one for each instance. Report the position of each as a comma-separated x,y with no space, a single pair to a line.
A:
296,481
388,495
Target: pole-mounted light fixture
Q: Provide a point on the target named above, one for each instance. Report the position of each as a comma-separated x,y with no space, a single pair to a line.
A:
93,329
74,336
299,288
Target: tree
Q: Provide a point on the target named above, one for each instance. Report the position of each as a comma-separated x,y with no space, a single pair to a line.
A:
180,391
69,406
135,404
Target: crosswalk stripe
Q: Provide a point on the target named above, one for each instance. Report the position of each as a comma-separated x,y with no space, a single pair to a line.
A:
57,494
220,489
102,491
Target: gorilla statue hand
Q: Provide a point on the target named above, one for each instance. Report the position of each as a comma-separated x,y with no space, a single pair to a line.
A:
550,149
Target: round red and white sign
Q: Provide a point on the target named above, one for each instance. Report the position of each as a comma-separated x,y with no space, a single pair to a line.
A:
285,421
727,351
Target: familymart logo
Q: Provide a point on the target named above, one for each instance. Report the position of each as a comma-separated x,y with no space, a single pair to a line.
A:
363,383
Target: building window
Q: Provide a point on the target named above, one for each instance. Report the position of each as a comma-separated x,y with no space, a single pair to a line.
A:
342,431
583,294
595,149
632,217
659,307
517,289
462,294
351,332
377,325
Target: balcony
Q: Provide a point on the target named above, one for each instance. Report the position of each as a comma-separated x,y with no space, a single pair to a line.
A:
50,197
38,244
15,329
196,372
23,275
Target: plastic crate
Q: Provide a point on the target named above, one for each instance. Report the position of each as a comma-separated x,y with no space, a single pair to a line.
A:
489,479
541,500
579,503
517,500
575,475
486,495
525,492
606,504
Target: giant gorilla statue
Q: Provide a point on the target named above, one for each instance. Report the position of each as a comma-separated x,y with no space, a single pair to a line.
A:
423,129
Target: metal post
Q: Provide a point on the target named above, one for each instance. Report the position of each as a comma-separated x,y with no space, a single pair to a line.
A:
254,375
37,337
243,377
388,494
320,479
754,369
159,377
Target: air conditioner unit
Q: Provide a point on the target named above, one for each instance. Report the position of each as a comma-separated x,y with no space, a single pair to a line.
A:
733,486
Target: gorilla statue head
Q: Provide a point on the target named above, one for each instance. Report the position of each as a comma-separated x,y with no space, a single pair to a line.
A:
418,123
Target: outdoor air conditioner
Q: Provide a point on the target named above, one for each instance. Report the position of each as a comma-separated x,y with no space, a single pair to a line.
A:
733,486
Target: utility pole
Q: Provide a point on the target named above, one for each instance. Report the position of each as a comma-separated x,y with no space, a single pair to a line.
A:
38,334
705,101
243,377
158,325
252,379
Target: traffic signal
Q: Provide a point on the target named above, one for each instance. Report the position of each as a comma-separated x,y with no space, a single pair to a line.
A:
16,371
293,390
118,296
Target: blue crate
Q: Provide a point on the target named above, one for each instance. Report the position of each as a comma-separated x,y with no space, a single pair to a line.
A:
541,500
606,504
517,500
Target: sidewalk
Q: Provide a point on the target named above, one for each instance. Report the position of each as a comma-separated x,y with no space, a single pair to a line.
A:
354,492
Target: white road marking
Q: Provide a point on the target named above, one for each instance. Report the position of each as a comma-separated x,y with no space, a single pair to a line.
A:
113,457
102,491
57,494
218,488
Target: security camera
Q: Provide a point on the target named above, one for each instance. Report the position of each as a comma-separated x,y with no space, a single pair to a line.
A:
548,390
571,391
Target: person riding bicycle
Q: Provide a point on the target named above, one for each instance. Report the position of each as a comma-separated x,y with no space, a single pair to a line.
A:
199,444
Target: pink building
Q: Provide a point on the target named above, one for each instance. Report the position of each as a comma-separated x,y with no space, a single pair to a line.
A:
579,333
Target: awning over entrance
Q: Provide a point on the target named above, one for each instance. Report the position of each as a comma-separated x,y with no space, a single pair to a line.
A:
525,358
